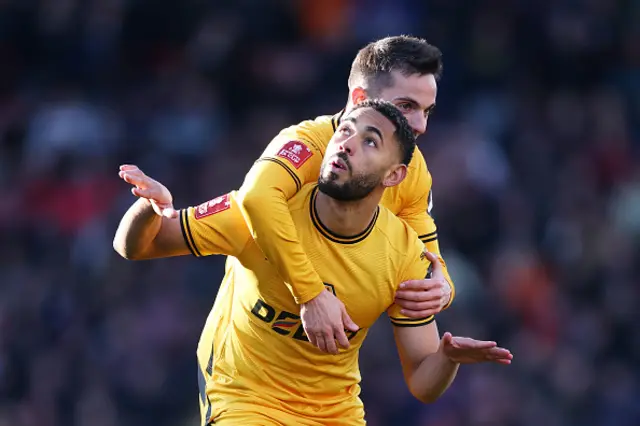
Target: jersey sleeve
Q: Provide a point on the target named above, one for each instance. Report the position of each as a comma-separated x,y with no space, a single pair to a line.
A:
215,227
416,268
417,212
299,150
290,161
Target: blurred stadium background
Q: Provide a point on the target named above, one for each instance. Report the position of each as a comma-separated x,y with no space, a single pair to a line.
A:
533,149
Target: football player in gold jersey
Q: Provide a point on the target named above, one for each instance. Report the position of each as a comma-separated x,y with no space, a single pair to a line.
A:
258,366
403,70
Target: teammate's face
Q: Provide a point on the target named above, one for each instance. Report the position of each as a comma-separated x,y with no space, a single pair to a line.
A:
360,156
414,96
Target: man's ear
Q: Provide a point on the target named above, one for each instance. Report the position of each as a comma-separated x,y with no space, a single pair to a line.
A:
395,176
358,95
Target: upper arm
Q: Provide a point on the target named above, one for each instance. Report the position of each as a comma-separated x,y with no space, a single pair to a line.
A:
415,344
400,320
423,224
290,161
418,200
416,267
286,165
214,227
416,339
417,212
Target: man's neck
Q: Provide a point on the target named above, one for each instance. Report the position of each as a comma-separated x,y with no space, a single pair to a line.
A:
347,218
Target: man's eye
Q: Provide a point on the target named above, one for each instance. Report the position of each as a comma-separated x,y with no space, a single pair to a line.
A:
370,142
404,106
345,130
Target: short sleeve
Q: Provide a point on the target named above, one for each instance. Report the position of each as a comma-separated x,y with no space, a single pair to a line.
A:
417,268
299,150
215,227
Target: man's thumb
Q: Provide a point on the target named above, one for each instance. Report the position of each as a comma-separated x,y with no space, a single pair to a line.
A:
435,261
170,213
447,338
139,192
347,322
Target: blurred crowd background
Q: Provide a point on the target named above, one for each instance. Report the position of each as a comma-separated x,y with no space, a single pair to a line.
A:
533,149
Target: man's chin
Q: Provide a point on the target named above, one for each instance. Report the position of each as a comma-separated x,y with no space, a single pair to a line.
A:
338,192
330,187
330,178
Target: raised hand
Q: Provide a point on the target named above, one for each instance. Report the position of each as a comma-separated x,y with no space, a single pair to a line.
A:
150,189
423,298
464,350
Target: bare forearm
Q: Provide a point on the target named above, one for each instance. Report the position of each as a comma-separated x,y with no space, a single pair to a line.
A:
138,228
433,377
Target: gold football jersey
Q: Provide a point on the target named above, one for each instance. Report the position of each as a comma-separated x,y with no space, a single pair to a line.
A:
292,160
253,351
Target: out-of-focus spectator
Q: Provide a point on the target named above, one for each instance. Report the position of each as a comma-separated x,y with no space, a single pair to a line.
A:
533,149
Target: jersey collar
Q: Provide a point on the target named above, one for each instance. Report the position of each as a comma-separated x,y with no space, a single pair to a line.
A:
335,120
332,236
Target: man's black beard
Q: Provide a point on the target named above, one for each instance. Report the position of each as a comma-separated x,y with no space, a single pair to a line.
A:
357,188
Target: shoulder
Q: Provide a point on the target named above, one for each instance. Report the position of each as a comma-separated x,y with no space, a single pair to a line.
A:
414,190
302,199
405,250
396,233
417,169
316,132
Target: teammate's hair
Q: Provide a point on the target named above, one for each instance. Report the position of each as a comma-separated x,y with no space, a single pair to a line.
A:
374,63
403,134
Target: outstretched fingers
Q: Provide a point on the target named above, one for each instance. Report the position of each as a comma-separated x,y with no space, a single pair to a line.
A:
468,343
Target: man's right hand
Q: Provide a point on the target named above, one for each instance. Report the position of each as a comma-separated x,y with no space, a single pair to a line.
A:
324,319
464,350
152,190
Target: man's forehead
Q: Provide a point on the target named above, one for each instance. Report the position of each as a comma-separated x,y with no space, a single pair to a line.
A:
421,89
368,116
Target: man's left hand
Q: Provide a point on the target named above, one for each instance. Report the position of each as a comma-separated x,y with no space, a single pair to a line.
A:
423,298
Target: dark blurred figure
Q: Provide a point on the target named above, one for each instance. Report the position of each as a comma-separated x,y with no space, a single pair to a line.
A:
534,151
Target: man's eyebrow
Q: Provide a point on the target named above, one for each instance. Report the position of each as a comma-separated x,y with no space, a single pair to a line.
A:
375,130
431,108
415,102
370,129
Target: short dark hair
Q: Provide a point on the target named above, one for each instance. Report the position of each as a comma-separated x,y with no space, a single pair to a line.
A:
410,55
403,134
